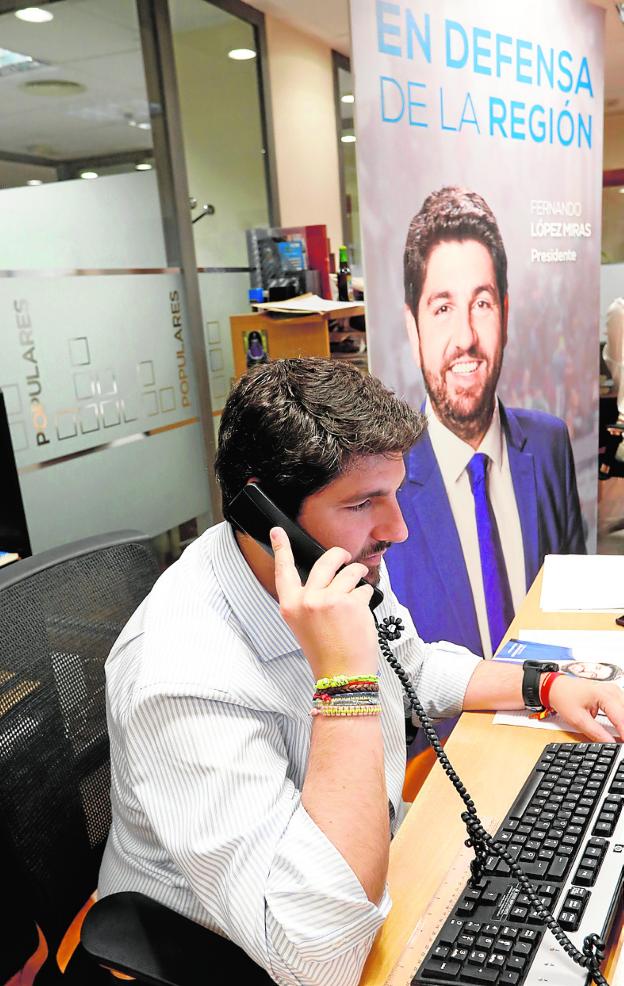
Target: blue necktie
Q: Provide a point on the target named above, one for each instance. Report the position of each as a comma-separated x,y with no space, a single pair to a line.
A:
498,601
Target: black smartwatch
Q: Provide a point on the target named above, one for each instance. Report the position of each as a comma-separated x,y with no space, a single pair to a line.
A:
533,670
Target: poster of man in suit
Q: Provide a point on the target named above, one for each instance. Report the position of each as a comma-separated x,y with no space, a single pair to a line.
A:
456,317
479,155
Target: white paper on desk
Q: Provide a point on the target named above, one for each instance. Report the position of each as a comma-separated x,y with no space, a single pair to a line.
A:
586,645
583,582
307,304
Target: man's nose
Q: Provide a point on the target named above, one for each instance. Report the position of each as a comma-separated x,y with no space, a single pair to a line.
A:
391,527
464,335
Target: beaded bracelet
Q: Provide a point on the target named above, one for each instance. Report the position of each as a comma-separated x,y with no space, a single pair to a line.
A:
358,698
360,688
351,687
347,710
340,680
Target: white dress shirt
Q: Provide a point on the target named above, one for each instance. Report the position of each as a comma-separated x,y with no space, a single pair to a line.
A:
613,352
453,455
208,698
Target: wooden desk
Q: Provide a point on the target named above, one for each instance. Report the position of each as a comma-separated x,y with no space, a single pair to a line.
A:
493,762
303,335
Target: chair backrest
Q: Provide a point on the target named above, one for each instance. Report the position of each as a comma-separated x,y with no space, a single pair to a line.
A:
60,613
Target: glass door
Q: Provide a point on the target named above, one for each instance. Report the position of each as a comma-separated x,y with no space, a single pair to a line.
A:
219,75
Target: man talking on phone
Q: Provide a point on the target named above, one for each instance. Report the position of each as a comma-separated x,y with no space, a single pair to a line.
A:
257,735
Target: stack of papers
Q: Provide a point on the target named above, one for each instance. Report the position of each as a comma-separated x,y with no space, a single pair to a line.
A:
583,582
310,304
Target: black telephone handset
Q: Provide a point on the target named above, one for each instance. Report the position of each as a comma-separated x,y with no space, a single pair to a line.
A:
255,514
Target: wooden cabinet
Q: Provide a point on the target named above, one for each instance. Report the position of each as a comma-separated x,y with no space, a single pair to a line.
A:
282,338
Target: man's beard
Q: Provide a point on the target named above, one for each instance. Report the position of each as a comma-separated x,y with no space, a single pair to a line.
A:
373,576
465,416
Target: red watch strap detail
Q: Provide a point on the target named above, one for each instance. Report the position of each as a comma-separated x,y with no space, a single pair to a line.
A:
546,685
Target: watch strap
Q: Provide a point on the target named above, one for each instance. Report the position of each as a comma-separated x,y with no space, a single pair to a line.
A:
532,672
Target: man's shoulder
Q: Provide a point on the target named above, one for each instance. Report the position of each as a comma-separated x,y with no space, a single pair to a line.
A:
535,424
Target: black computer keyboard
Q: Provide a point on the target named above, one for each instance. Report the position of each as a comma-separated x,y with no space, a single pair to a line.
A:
566,831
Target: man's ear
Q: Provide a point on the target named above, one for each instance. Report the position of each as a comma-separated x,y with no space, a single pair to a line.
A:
505,318
412,333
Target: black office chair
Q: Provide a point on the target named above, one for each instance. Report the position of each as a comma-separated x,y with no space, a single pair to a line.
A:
60,613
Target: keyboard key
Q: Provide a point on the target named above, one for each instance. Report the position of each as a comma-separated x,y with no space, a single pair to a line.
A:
518,913
496,961
558,867
584,877
442,969
522,948
481,975
466,909
538,868
516,962
450,931
569,921
491,929
477,957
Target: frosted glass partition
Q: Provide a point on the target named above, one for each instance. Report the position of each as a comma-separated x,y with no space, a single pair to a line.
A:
222,293
97,379
111,222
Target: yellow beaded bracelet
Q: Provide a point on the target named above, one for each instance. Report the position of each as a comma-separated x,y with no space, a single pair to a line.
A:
347,710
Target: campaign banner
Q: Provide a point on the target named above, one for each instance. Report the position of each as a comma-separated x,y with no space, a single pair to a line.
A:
479,156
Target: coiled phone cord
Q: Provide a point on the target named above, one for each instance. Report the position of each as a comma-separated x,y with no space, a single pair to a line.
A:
479,839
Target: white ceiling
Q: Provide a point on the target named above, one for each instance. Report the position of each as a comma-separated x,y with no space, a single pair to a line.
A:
97,44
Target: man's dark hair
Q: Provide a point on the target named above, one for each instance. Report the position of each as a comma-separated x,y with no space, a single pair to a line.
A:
451,213
294,425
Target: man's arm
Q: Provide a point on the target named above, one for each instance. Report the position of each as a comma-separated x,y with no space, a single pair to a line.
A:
345,789
496,685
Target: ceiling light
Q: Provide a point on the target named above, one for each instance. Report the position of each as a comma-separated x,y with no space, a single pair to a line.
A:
348,139
89,175
34,181
347,98
241,54
621,191
143,166
34,15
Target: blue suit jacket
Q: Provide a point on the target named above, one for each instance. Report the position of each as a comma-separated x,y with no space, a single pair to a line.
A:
428,571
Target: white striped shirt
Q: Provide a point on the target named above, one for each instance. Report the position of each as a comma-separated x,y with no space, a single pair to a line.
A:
208,701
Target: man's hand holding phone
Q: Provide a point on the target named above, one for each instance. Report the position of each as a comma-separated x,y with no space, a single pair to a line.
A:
330,614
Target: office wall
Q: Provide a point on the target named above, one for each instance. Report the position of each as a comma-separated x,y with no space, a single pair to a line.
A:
613,141
304,125
613,199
